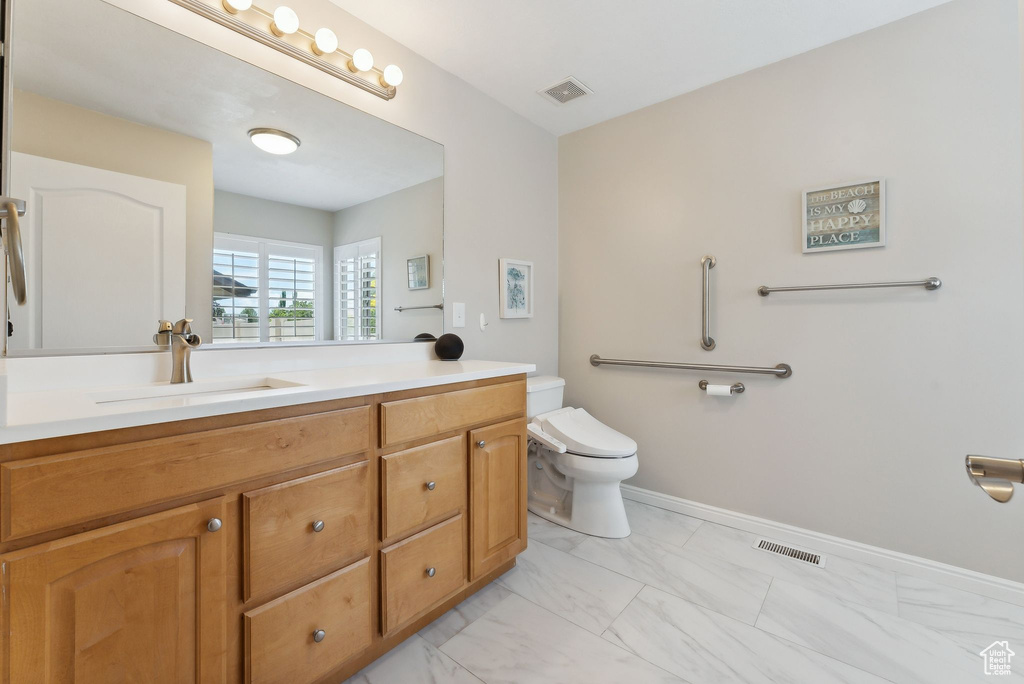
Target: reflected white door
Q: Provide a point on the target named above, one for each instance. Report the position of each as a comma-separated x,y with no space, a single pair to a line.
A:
104,252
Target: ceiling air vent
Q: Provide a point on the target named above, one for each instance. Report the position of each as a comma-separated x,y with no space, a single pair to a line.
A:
785,550
566,90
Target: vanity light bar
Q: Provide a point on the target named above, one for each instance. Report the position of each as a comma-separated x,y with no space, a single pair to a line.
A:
262,26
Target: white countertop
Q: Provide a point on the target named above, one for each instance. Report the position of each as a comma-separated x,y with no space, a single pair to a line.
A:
55,413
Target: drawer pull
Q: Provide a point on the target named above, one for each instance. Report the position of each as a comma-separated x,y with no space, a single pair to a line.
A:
481,444
318,526
431,485
214,524
430,572
319,635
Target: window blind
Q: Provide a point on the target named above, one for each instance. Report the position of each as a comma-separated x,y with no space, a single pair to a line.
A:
264,290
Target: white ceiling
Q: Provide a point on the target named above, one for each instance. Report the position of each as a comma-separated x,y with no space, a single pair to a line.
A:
153,76
631,53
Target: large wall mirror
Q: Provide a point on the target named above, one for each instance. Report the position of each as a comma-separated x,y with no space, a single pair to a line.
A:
149,197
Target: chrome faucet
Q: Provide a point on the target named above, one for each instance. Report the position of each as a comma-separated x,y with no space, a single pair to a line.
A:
182,341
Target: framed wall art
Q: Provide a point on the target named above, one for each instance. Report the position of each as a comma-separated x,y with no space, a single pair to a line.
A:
516,288
844,216
419,272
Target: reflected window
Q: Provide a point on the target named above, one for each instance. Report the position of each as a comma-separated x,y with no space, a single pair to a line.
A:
265,290
357,278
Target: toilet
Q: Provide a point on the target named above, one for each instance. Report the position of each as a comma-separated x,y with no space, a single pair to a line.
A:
576,463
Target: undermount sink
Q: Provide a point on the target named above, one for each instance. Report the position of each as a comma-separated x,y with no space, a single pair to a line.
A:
200,391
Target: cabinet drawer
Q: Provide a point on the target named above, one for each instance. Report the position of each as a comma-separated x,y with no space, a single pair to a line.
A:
410,419
423,484
280,643
95,483
407,582
282,544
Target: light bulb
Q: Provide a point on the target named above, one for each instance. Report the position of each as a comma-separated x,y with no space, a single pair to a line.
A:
236,6
361,60
392,76
325,42
286,21
274,141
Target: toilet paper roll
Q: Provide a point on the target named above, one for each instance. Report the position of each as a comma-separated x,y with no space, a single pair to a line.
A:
720,390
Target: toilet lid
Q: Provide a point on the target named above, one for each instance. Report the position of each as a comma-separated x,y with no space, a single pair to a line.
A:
585,435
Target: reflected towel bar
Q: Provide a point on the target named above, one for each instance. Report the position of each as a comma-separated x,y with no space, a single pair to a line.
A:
411,308
780,371
932,283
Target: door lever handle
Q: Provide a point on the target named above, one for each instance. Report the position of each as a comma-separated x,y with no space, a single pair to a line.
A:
995,475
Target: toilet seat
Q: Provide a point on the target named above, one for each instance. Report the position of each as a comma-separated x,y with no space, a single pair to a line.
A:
584,435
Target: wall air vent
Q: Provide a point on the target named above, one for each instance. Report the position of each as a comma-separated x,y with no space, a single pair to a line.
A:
566,90
786,550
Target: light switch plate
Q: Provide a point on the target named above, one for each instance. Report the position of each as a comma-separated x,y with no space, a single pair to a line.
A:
459,315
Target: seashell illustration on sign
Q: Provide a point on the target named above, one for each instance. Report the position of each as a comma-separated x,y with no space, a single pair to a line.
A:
857,206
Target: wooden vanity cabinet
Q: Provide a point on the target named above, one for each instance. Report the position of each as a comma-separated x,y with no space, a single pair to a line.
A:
140,601
296,544
497,472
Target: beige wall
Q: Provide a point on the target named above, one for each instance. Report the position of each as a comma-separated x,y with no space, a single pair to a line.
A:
256,217
890,388
500,184
409,223
56,130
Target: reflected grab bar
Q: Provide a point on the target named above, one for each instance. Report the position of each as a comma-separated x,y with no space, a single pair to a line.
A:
782,370
10,210
707,342
412,308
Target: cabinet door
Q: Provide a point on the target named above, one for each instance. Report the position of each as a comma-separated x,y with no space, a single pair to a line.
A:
497,508
141,601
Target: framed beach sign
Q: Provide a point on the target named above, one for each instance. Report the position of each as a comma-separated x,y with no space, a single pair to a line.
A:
844,216
516,288
419,272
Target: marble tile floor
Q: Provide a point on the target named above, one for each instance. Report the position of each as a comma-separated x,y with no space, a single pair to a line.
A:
686,600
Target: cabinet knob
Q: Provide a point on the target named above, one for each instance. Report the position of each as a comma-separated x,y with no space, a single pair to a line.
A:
214,524
481,444
431,572
318,525
319,635
431,485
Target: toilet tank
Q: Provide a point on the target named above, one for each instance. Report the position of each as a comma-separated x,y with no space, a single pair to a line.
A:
543,394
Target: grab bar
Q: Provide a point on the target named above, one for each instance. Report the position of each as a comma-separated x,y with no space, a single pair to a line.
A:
707,342
932,283
412,308
995,475
782,370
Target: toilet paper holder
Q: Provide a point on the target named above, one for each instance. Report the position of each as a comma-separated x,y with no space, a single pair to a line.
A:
738,388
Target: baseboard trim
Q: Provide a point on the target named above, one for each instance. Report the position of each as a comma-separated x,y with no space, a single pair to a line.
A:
915,566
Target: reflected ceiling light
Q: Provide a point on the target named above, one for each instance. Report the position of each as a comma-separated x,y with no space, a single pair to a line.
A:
236,6
325,42
392,76
286,21
361,60
274,141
